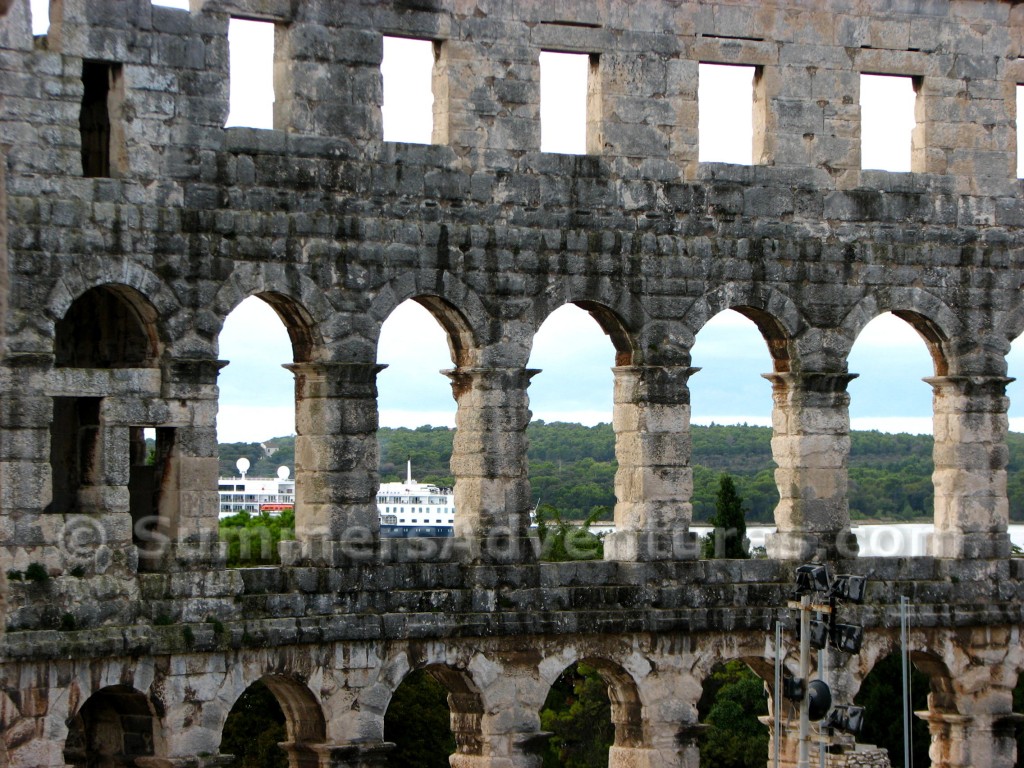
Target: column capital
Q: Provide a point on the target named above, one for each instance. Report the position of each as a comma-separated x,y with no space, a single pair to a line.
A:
823,382
190,378
198,370
970,386
464,378
656,384
336,379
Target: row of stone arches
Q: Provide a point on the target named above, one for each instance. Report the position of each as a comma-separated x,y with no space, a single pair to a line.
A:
113,326
117,325
489,719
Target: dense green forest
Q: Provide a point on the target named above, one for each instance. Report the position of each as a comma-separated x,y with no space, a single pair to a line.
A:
572,468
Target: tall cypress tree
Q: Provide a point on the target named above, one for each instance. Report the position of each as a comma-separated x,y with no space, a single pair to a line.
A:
729,539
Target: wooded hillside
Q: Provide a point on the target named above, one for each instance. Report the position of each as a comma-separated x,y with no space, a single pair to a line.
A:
572,467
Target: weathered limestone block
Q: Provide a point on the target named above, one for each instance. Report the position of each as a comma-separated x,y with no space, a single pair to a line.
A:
810,445
971,512
654,481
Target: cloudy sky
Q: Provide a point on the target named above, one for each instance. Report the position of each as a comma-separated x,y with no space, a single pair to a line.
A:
576,381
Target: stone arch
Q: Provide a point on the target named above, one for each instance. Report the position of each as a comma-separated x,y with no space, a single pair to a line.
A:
115,726
146,289
108,326
627,708
305,725
776,316
305,718
465,704
614,327
462,325
623,694
942,688
764,670
301,304
1010,324
465,699
933,320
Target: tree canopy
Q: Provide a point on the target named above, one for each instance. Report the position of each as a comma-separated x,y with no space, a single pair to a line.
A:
572,468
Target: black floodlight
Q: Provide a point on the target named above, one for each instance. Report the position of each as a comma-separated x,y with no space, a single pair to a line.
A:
850,588
793,688
818,634
847,637
811,578
819,699
848,719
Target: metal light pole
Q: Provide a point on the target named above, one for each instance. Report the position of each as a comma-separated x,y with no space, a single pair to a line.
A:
777,699
804,742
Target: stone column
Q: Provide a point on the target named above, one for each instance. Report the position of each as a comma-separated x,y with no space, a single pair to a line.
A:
336,460
654,482
967,741
970,454
189,504
492,487
810,445
26,491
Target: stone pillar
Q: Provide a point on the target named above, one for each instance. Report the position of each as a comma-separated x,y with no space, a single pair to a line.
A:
189,503
336,460
26,492
788,735
492,487
487,94
654,482
967,741
970,454
810,445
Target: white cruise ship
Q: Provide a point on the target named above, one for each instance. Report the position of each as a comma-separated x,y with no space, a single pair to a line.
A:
406,508
415,509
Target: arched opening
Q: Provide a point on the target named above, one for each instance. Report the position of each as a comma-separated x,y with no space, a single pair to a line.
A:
114,728
110,326
107,327
731,706
881,695
572,444
275,723
731,414
592,706
1015,436
891,490
420,339
434,713
256,417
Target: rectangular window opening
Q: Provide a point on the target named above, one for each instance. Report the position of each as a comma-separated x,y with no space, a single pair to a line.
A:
251,72
74,444
40,11
1020,131
407,70
725,113
100,120
150,451
565,101
887,122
